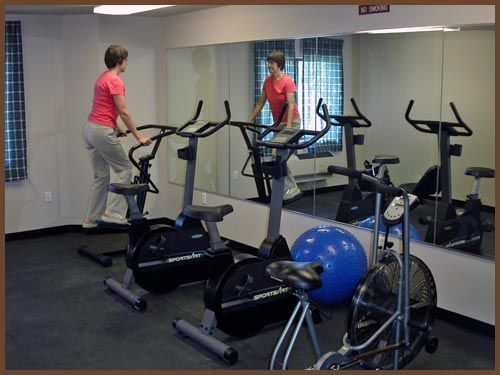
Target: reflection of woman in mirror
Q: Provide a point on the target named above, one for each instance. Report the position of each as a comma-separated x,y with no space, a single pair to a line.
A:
278,89
205,85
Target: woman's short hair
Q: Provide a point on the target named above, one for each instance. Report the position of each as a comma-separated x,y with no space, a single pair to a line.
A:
114,55
278,57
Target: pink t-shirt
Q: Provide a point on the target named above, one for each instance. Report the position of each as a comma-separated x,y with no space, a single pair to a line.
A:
104,111
276,90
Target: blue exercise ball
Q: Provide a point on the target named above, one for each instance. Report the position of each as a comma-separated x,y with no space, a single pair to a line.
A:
343,259
396,230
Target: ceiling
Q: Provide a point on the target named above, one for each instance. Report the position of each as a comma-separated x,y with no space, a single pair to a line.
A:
88,9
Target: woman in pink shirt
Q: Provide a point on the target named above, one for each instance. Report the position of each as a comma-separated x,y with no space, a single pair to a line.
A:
278,89
100,136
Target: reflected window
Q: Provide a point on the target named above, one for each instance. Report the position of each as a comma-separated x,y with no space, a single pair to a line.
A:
316,66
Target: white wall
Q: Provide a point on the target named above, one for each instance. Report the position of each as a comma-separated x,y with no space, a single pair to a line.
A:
63,55
193,74
46,136
395,68
239,23
398,67
57,111
469,81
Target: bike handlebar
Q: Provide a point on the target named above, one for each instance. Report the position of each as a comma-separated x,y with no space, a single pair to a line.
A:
343,120
164,131
256,128
379,186
459,128
208,128
317,134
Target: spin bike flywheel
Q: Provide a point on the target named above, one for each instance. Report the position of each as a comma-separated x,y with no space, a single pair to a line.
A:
375,300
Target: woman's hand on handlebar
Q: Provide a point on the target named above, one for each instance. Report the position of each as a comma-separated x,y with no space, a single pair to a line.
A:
145,141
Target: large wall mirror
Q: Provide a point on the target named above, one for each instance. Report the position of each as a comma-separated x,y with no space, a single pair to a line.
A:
382,73
469,82
194,74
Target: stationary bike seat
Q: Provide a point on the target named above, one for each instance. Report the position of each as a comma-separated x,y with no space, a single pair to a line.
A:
207,213
480,172
298,275
127,189
385,159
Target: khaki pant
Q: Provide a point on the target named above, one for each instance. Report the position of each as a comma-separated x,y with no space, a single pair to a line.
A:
105,152
290,182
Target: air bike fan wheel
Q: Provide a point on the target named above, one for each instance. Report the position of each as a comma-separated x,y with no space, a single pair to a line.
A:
375,300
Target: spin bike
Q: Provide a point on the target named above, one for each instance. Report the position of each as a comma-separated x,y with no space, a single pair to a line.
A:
464,231
143,165
355,204
239,299
392,310
161,257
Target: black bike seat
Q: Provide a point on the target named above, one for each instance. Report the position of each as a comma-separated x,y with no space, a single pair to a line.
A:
207,213
127,189
480,172
385,159
298,275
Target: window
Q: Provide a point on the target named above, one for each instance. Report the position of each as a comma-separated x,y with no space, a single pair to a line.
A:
316,66
15,118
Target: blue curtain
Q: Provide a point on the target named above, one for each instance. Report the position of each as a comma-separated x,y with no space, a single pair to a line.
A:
324,66
15,117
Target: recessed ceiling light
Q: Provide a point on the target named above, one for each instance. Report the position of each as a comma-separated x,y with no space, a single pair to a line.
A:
126,9
411,30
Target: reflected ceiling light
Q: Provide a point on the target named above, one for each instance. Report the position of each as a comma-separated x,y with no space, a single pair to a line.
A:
126,9
411,30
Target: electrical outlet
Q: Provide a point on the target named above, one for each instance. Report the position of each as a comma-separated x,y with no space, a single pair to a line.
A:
235,175
48,196
203,198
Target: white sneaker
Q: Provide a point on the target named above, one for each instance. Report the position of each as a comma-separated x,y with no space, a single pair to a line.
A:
89,225
292,193
114,218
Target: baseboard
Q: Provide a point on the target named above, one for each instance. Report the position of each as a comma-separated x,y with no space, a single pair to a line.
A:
71,228
469,323
324,190
43,232
330,189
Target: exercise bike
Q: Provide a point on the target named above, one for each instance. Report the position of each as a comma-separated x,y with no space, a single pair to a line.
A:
355,204
448,228
143,165
162,257
392,310
239,299
254,158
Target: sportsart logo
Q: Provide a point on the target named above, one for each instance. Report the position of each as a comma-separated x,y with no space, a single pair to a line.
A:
186,257
272,293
